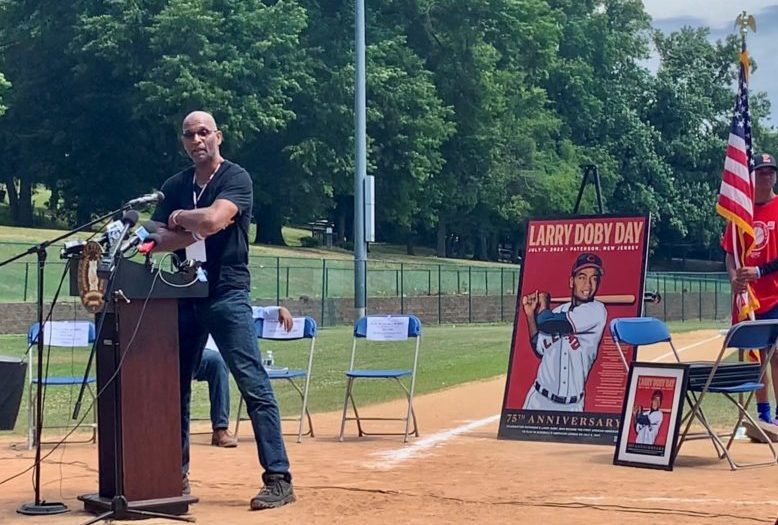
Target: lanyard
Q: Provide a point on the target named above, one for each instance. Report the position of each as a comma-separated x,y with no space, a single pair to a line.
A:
195,195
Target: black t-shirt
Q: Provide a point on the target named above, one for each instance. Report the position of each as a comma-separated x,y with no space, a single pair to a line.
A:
227,251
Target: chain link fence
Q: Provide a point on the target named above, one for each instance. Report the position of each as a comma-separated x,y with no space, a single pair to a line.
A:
442,293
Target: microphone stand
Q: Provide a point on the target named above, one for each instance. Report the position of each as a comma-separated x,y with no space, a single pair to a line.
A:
106,268
40,507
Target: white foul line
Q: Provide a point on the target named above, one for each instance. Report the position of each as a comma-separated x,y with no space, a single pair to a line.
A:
685,348
392,458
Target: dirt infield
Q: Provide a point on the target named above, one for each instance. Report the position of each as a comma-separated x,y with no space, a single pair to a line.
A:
456,472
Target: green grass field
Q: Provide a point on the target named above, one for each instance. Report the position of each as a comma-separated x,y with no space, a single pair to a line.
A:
450,355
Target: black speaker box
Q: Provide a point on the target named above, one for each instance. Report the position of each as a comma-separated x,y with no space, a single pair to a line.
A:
12,373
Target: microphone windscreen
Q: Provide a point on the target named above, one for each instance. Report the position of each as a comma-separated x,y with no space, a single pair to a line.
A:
131,217
150,226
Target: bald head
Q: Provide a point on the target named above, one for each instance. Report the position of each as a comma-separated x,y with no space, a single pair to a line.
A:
201,139
200,116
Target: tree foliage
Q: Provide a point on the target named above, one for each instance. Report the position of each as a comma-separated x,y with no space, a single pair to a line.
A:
480,113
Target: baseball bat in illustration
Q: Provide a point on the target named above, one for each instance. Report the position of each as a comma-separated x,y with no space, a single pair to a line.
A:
605,299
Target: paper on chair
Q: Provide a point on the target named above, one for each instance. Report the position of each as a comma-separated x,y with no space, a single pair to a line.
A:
272,329
387,328
66,333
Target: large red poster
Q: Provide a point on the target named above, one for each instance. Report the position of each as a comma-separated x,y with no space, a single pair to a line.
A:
566,378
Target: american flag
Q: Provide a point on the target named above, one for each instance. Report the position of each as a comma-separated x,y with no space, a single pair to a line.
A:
736,195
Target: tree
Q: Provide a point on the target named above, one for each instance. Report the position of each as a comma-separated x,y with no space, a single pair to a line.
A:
692,110
34,36
406,124
100,111
488,59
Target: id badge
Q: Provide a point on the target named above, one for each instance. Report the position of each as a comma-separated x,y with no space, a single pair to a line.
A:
196,251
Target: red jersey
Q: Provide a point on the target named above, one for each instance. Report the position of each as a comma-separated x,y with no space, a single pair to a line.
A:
765,250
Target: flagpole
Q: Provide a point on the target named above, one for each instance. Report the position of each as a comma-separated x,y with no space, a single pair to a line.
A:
743,22
738,265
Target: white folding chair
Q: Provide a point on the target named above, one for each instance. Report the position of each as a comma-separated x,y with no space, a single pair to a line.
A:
58,335
291,375
389,329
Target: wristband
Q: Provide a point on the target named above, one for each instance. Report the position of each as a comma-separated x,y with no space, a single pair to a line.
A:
174,217
197,236
758,272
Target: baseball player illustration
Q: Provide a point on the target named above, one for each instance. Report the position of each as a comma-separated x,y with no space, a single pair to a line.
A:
648,422
566,339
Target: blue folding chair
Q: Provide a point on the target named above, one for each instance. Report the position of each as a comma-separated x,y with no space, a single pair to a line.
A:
646,331
289,374
716,377
361,332
57,329
640,331
732,380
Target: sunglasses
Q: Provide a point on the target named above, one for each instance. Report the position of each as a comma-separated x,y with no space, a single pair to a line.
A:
202,133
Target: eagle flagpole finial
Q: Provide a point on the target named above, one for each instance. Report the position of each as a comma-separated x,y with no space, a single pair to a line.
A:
744,21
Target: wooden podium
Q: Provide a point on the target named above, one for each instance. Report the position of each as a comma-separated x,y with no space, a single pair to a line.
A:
138,411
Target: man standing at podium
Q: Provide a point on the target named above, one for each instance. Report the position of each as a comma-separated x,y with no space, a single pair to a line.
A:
205,217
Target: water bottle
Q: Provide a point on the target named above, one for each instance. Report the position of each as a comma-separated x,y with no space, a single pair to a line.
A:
268,361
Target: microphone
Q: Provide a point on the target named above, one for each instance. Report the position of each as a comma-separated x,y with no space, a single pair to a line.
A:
111,234
130,219
149,243
139,235
149,198
72,249
107,264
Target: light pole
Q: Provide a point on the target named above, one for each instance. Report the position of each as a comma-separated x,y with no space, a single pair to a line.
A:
360,247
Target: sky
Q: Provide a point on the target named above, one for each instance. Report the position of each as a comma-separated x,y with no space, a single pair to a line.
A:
719,16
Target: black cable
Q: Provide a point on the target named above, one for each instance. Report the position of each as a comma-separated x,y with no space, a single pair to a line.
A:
99,392
108,221
93,350
563,505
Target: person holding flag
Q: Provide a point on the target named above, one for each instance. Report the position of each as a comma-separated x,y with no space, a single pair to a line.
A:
756,274
747,201
760,271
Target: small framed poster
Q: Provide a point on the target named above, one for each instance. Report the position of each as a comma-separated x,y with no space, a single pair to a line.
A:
651,415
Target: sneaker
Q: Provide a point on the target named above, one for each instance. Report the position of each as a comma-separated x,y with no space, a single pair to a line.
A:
277,492
185,488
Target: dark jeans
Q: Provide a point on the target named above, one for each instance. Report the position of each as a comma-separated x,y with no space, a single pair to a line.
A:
214,370
770,314
227,316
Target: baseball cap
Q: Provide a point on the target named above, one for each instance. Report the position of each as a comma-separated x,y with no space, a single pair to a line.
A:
764,160
588,260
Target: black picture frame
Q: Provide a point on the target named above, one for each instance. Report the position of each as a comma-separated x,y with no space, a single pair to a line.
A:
644,439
